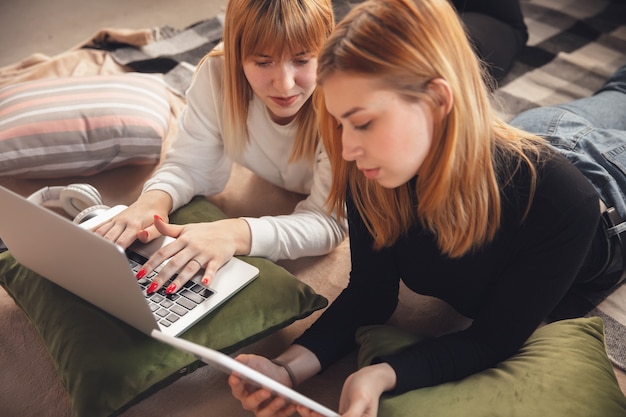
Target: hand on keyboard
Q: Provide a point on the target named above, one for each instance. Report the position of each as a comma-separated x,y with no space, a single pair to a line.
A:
196,247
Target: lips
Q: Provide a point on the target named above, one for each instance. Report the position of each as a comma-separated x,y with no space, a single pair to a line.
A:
284,101
370,174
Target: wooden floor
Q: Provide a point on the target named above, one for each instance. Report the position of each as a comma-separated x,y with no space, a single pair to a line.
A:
51,27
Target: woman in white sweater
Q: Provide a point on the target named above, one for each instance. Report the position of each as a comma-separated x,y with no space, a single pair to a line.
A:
250,103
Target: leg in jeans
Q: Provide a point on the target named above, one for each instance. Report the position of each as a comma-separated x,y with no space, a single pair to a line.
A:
591,133
606,109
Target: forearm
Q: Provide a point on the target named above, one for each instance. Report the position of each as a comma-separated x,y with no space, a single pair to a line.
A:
157,200
240,232
302,233
384,375
302,362
183,182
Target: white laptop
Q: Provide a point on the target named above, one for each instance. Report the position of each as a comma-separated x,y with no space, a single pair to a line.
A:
100,271
229,365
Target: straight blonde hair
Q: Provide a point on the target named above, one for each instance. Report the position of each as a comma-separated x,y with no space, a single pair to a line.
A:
251,26
405,44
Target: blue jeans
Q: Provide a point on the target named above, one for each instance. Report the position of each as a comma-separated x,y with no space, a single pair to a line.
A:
590,132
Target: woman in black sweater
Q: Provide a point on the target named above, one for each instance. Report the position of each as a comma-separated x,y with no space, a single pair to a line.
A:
445,196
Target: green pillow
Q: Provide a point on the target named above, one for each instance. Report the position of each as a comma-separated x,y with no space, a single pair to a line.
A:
561,371
107,366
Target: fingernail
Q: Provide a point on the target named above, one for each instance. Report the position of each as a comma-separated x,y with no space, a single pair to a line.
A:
205,281
143,234
152,288
170,289
141,273
157,217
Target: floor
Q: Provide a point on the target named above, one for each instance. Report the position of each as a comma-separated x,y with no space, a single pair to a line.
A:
51,27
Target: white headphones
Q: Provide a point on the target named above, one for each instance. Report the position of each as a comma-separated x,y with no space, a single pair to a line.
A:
80,201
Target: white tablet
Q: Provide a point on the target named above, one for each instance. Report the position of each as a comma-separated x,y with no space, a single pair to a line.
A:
229,365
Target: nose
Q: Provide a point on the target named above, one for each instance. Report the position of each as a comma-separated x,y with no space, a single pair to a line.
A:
350,147
284,78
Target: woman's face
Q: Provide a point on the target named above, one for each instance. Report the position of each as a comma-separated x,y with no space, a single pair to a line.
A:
283,83
386,136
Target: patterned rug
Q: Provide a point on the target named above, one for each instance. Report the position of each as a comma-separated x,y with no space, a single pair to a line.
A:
574,45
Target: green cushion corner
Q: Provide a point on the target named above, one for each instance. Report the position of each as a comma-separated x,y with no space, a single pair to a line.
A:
107,366
562,370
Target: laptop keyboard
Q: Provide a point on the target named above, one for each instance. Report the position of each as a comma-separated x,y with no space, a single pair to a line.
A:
168,308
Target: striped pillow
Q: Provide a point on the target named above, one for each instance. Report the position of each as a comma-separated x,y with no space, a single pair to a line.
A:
81,125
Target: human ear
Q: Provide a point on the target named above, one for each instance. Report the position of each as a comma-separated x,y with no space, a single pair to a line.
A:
442,94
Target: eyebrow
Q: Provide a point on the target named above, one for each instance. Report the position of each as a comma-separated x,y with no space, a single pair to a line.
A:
351,112
302,53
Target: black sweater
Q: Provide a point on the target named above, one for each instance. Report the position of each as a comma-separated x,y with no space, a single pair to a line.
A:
508,287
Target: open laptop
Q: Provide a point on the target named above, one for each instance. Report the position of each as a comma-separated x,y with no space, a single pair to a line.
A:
101,272
229,365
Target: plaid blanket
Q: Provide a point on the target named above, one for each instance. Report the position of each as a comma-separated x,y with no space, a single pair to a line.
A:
175,53
574,45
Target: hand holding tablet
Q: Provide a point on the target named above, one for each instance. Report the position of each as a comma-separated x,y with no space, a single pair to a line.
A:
231,366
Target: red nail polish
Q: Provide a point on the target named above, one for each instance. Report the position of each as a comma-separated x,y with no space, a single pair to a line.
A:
157,217
141,273
152,288
170,289
144,235
205,281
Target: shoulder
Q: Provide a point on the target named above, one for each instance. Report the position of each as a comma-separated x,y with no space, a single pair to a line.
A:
553,171
559,174
207,83
562,191
209,73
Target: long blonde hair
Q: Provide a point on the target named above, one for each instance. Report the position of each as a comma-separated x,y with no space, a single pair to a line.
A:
269,25
405,44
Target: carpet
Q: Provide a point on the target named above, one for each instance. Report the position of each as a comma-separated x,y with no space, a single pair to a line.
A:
574,45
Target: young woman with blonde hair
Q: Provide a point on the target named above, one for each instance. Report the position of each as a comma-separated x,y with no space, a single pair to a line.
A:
443,195
250,102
